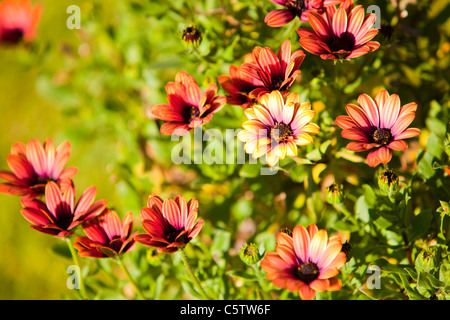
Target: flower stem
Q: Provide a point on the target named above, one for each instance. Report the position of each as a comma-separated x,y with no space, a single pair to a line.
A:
130,279
77,263
191,273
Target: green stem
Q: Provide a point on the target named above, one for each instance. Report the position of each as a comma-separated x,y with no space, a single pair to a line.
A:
77,263
191,273
130,279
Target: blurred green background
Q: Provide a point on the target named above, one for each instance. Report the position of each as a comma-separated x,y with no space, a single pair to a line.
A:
93,87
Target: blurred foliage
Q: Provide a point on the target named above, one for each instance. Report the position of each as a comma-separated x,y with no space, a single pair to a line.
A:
94,87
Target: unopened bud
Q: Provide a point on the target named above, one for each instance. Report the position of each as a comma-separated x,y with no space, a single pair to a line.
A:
249,254
334,194
388,181
192,36
429,259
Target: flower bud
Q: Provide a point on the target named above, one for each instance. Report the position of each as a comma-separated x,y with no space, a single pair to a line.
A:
388,181
334,194
429,259
192,36
249,254
347,249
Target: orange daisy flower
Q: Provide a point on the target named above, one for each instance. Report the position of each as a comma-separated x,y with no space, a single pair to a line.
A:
306,262
33,165
277,126
18,21
342,33
274,71
378,124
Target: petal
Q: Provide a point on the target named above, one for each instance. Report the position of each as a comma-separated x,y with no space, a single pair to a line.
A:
85,201
319,25
408,133
276,105
355,19
389,111
278,18
399,145
318,246
359,117
339,22
263,115
182,204
405,118
36,156
61,158
172,213
370,109
355,134
301,242
53,197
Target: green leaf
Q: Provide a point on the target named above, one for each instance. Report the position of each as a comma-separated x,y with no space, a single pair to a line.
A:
243,274
421,223
412,293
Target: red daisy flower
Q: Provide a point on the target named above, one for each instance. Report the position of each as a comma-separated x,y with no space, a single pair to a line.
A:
188,107
275,72
238,85
60,214
295,8
306,262
106,237
379,124
33,165
18,21
170,224
342,33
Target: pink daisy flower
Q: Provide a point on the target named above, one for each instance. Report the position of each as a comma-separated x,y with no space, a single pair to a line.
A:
170,224
295,8
188,107
107,236
306,262
18,21
379,125
33,165
60,214
342,33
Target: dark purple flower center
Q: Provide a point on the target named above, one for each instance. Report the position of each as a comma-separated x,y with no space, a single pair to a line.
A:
12,36
345,42
281,132
172,234
64,215
276,83
296,6
381,136
307,272
191,113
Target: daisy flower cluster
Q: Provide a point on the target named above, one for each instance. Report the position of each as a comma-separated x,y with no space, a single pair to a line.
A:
277,125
